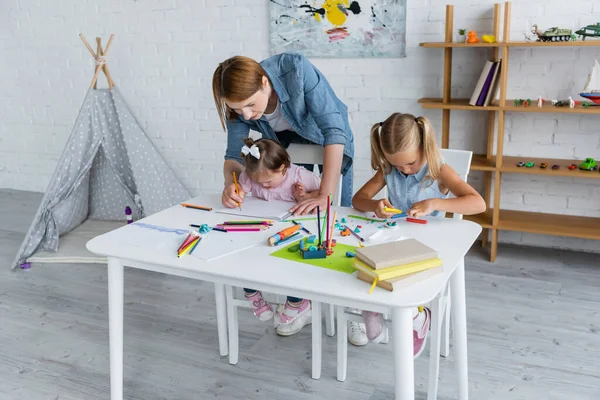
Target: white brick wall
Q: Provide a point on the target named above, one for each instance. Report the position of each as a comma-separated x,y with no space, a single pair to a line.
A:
166,50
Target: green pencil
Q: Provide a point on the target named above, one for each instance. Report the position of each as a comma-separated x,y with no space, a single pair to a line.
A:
366,219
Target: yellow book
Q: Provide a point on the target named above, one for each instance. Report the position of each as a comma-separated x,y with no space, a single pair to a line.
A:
399,270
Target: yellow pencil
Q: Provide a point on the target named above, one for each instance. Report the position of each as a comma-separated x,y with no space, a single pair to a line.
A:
392,210
237,189
188,247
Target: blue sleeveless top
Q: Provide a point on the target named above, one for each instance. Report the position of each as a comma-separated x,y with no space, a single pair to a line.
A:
404,190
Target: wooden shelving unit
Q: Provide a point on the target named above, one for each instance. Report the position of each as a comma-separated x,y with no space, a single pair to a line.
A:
495,164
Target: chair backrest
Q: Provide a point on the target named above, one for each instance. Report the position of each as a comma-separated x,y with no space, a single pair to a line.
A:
460,161
312,154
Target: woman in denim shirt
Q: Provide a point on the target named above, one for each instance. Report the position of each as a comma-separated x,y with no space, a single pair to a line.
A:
287,99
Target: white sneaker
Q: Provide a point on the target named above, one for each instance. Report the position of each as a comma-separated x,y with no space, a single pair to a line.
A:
357,335
292,320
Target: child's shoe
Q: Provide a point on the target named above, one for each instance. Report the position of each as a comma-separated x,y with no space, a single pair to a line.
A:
357,334
375,326
293,318
421,325
260,307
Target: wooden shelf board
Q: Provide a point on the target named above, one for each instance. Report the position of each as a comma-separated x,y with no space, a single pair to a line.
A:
479,162
484,219
509,165
547,107
444,45
550,224
576,43
541,223
454,104
463,104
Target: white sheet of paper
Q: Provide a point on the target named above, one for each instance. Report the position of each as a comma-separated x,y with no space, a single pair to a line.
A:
257,208
219,244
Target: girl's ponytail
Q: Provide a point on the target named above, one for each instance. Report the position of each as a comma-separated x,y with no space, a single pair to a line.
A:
430,149
378,160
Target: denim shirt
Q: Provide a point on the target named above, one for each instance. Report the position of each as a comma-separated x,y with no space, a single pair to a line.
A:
404,190
308,104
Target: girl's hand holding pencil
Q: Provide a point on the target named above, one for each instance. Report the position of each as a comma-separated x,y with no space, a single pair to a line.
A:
230,198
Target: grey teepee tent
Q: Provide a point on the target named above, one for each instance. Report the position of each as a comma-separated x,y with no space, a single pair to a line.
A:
108,164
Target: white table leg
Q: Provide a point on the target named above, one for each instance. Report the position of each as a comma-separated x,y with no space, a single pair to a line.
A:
459,323
404,368
115,326
232,326
329,312
317,340
342,343
221,318
434,346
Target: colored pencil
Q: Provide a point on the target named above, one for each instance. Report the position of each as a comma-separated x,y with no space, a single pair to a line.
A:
237,189
323,229
203,208
283,234
241,229
247,223
354,233
332,229
303,228
319,223
328,216
230,227
188,247
286,216
365,218
399,216
194,248
212,228
187,241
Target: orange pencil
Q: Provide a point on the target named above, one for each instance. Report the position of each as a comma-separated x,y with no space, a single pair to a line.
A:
237,189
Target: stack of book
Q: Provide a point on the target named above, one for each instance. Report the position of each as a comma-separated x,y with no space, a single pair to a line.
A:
487,85
387,265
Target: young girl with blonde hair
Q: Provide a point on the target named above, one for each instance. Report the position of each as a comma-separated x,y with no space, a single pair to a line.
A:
406,158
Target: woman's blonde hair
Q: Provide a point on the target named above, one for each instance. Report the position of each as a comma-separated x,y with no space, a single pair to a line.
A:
404,132
235,79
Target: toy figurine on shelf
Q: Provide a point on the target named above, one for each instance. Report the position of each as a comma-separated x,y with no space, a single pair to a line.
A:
488,38
589,31
591,91
518,102
553,34
462,36
572,102
540,102
472,37
560,103
526,103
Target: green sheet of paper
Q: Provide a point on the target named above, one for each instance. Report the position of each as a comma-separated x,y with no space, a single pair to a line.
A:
338,261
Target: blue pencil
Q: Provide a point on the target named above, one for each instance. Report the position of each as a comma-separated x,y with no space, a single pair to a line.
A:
193,248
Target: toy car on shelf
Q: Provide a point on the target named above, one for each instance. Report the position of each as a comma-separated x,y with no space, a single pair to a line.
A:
555,166
572,166
544,165
529,164
520,164
589,164
553,34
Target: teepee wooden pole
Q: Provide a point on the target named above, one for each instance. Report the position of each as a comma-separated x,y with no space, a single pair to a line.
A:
98,55
111,84
100,58
87,45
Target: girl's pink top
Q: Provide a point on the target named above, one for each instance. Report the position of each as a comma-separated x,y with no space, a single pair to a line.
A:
284,191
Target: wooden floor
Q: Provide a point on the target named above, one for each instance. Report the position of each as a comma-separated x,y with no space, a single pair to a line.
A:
533,323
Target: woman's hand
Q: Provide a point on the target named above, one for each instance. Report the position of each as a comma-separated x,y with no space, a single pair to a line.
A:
230,198
422,208
379,209
309,206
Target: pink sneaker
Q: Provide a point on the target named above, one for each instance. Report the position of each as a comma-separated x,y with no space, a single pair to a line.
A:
421,331
293,318
260,307
374,326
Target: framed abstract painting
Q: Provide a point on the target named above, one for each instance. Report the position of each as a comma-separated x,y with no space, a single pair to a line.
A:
339,28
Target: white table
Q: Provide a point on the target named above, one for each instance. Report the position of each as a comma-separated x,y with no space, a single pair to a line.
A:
451,238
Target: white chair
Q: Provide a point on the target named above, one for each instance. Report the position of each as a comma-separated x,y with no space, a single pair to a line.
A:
299,154
439,341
